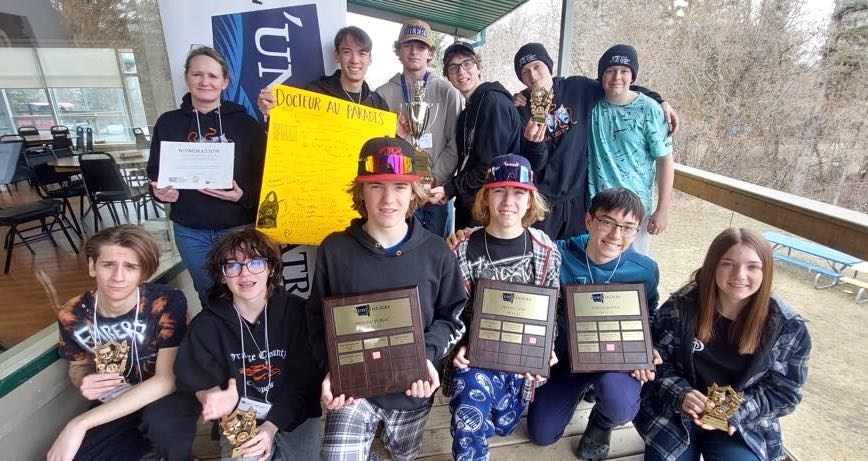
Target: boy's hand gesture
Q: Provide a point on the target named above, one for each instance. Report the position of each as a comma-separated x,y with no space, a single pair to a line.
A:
217,402
424,389
331,402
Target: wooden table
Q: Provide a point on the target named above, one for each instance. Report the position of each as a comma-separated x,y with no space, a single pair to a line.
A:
124,159
36,140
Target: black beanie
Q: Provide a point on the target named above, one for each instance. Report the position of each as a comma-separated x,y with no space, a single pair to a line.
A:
529,53
619,55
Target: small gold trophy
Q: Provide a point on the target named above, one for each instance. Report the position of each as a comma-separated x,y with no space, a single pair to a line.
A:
540,104
238,427
111,357
418,115
721,405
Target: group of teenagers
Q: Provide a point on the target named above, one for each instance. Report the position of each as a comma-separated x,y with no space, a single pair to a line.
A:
545,203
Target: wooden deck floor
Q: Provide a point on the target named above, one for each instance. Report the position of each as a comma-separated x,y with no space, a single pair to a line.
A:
436,446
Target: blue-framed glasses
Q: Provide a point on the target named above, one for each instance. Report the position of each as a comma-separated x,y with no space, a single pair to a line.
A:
254,266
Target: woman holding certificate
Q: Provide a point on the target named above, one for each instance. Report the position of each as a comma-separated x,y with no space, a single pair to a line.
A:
487,402
735,359
200,215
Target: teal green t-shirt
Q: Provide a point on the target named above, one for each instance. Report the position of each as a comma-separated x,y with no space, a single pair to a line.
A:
624,144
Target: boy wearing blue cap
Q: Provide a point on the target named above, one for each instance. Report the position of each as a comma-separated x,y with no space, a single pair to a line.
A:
486,402
384,249
629,145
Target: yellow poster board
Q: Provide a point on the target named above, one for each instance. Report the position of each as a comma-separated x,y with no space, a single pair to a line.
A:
310,162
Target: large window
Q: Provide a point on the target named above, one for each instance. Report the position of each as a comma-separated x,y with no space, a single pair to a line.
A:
96,88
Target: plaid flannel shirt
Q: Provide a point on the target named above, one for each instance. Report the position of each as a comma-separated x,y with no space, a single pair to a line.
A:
546,265
772,384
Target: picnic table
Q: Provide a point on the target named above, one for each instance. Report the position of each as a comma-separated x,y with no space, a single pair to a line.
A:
836,261
861,285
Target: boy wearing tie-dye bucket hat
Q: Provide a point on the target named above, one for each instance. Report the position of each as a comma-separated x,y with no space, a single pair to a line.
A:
487,402
386,248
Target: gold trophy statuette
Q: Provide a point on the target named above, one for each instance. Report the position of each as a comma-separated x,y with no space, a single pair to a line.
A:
238,427
721,405
111,357
540,104
418,115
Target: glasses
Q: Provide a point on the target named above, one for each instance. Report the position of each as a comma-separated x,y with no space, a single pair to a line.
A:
509,173
254,266
388,164
608,226
467,65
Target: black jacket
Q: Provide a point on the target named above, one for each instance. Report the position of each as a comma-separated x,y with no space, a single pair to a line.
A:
487,127
210,354
351,261
560,162
331,85
193,208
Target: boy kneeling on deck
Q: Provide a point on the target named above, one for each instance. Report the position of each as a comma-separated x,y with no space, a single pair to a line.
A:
603,255
386,248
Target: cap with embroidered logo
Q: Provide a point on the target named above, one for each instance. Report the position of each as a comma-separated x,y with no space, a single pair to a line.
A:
509,170
386,159
414,29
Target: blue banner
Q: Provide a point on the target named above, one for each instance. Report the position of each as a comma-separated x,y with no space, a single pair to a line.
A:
266,47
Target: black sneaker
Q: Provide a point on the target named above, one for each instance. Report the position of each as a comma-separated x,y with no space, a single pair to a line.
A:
594,444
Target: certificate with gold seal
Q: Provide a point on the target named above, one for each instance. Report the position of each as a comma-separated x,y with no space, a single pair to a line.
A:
375,342
513,327
608,327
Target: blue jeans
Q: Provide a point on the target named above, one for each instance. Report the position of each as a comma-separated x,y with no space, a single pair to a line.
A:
438,219
712,445
555,402
193,246
484,403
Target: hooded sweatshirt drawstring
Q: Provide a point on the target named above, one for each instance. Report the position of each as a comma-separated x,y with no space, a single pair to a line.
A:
219,121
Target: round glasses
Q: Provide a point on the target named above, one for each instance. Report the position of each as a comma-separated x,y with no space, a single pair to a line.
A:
608,226
254,266
467,65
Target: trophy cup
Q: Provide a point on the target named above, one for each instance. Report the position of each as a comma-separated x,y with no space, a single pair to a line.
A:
111,357
418,115
238,427
540,104
721,405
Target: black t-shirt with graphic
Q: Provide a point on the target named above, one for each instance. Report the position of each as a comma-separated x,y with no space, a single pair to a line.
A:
718,361
162,322
501,259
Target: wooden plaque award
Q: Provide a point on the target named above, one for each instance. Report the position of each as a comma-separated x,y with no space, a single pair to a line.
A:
513,327
375,342
608,327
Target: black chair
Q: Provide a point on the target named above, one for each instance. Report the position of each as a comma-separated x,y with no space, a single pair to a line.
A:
41,211
28,130
53,185
13,145
60,138
106,186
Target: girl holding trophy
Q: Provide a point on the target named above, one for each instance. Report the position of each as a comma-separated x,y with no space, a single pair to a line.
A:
735,359
121,339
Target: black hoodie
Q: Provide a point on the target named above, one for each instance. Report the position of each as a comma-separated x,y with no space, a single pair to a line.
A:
331,85
488,126
352,261
210,354
193,208
560,162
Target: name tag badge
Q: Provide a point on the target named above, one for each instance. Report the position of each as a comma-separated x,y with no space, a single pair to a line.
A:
261,408
115,393
426,141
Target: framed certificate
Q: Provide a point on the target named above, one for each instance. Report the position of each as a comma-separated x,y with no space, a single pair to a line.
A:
513,327
196,165
375,342
608,327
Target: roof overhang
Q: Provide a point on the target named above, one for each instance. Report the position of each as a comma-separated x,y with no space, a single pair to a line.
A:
459,18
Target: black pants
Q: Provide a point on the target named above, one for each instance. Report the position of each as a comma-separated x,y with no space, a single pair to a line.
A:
566,219
169,424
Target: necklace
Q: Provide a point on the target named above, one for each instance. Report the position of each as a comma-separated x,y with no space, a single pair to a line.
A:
351,98
97,334
591,275
244,353
485,242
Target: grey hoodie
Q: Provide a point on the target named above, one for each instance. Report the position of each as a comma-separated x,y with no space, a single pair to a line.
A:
445,103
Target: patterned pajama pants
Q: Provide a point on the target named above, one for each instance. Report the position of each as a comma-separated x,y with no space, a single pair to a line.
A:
350,431
484,403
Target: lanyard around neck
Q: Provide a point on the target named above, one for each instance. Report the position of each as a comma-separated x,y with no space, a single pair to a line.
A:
241,325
